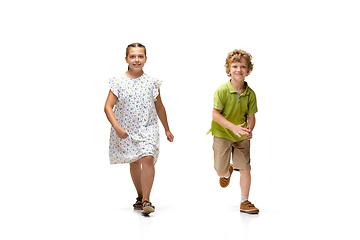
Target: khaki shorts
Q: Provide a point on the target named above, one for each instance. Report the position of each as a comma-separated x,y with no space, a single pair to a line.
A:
223,148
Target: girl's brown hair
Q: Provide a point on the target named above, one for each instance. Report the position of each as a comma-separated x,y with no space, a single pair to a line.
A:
236,56
135,45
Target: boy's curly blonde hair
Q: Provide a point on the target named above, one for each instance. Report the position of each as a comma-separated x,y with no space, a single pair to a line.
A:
236,56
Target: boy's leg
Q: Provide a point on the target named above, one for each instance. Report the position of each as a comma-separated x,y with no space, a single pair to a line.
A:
245,182
241,155
222,152
241,159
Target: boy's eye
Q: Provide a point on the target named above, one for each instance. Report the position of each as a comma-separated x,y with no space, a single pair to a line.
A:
135,56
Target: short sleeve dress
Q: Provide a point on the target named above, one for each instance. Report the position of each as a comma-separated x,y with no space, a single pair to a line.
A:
135,112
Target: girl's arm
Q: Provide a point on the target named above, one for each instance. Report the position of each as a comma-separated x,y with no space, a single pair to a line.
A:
160,109
109,105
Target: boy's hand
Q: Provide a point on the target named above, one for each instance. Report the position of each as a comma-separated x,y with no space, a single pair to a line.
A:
169,136
248,137
239,130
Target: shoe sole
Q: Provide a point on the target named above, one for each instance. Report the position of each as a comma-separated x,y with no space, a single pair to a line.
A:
147,210
250,211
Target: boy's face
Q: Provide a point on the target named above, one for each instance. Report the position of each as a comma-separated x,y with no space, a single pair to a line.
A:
239,70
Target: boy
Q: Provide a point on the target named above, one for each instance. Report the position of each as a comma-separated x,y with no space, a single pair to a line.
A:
233,123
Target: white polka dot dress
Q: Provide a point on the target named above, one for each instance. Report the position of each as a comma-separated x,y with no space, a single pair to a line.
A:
135,112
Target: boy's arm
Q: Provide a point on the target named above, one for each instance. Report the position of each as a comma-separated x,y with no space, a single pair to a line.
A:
160,109
238,130
250,125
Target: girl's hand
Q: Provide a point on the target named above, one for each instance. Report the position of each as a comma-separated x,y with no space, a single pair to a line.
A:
239,130
121,133
170,136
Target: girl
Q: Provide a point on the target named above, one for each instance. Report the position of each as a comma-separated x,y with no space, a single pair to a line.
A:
134,136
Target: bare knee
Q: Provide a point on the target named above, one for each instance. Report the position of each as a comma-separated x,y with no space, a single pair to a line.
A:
136,164
147,161
245,172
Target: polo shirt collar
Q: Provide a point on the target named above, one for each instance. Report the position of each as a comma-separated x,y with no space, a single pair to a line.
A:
232,90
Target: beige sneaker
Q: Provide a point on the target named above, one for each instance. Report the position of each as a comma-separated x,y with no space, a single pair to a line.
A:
224,182
248,207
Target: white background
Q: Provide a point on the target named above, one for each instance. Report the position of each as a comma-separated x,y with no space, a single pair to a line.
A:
55,177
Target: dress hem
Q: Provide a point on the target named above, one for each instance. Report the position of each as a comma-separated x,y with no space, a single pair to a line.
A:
141,156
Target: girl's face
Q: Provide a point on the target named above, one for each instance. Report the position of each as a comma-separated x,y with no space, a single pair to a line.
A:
136,59
239,70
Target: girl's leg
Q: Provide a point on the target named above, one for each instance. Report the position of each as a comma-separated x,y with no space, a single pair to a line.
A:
135,172
245,181
147,176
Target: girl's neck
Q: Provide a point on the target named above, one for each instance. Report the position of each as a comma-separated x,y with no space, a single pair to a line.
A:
133,75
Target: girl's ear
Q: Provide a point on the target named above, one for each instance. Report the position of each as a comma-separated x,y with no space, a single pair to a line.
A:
126,60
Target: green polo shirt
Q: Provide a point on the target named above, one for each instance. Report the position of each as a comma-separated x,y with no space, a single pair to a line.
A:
234,108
